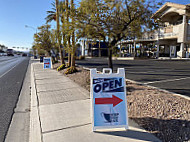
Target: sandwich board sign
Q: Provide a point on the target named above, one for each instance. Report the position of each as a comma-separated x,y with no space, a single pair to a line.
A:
108,98
47,63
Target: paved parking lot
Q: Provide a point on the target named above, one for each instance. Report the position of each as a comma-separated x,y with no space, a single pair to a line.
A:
170,75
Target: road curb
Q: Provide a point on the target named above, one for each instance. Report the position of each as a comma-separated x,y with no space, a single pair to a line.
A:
35,129
163,90
139,83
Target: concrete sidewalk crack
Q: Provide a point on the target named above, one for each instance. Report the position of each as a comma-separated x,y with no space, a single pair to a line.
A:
57,90
76,126
22,112
47,78
65,102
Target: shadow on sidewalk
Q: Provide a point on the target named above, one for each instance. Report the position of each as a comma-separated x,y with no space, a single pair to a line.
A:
173,130
144,136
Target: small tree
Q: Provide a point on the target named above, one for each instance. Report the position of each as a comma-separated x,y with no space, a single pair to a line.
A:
34,50
43,40
55,46
113,20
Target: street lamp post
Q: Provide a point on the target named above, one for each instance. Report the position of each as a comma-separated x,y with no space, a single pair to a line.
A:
26,26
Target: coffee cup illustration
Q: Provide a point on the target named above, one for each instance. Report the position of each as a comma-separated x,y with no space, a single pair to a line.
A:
110,117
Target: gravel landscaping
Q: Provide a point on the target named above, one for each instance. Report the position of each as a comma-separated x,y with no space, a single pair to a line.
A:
165,115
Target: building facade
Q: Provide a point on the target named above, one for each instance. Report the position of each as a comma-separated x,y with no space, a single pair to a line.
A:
174,34
172,39
93,48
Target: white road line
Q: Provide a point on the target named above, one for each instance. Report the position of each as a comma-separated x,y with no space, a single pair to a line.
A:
168,80
141,72
9,69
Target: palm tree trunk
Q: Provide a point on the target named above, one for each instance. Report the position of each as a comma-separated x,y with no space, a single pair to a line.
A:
68,36
58,32
73,36
63,31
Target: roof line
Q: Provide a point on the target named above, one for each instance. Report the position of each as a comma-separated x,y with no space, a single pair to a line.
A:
167,4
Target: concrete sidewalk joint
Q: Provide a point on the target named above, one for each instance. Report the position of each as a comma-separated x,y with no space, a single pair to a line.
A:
66,128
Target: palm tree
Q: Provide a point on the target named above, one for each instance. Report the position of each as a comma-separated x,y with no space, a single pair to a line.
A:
54,15
51,14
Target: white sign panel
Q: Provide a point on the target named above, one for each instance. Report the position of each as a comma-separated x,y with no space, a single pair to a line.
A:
47,63
108,95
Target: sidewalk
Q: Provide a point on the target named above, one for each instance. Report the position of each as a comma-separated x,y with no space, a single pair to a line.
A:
60,112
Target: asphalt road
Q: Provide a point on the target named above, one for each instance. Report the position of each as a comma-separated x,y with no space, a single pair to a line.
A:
172,75
12,73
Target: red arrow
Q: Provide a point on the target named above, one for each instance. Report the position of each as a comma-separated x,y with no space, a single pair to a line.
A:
114,100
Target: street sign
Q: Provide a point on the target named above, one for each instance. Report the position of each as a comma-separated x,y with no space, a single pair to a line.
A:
108,96
47,63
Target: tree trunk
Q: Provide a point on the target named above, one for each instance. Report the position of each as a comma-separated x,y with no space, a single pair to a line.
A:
99,48
120,50
63,34
68,36
73,60
73,35
53,59
58,32
110,64
69,59
61,55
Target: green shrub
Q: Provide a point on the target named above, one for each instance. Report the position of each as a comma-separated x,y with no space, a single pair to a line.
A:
71,70
61,67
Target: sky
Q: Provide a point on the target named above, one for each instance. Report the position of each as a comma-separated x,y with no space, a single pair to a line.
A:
15,14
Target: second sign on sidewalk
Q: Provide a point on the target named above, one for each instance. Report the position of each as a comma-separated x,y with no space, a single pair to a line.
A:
108,95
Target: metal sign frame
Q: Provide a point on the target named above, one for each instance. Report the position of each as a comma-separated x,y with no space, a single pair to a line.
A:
120,74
